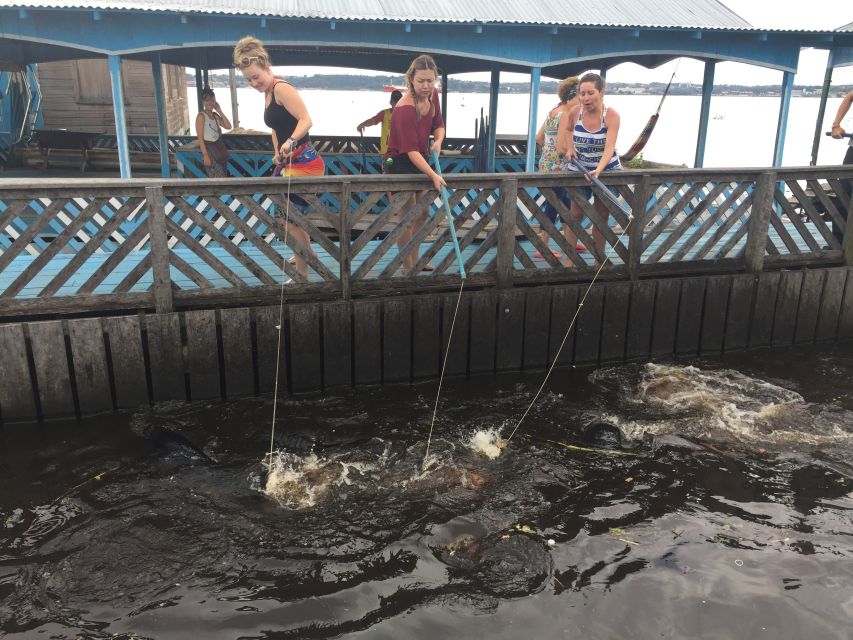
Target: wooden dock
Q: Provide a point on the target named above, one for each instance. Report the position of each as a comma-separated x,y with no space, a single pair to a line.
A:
119,293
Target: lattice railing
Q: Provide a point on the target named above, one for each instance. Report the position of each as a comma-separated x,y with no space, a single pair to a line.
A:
380,247
79,245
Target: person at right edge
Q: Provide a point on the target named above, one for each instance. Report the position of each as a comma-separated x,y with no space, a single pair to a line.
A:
416,117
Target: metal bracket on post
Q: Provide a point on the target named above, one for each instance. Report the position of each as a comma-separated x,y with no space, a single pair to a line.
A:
759,222
506,232
162,287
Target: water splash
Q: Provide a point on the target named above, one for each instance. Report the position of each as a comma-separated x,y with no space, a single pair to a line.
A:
298,483
487,442
723,404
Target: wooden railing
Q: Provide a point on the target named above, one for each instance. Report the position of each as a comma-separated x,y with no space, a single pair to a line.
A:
76,246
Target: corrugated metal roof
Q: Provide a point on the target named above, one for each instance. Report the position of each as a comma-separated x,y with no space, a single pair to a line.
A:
696,14
846,27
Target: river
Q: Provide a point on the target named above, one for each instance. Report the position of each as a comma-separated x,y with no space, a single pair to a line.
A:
741,132
725,514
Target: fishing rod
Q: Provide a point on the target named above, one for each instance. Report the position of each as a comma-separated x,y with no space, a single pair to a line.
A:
361,148
452,229
604,190
449,215
627,211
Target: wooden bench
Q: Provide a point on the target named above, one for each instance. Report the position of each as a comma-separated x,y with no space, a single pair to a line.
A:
51,141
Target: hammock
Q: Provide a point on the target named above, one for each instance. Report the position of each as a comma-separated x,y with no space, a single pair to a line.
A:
646,133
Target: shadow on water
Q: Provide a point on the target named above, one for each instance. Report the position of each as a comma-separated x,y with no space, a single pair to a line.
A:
720,508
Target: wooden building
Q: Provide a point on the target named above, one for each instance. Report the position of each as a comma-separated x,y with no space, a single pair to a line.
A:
76,95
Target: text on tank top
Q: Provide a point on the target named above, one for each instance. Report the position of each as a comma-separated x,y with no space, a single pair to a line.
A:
589,145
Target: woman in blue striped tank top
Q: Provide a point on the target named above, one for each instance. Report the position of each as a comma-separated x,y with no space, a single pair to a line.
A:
588,134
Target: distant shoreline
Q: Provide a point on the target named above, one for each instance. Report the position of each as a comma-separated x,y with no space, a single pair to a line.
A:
377,84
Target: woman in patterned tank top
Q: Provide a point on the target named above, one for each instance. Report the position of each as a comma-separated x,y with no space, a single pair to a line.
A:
588,134
549,160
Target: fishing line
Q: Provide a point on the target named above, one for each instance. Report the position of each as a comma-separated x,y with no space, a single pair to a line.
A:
452,230
281,302
610,196
441,377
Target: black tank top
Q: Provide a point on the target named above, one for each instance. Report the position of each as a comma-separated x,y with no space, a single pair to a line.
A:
280,120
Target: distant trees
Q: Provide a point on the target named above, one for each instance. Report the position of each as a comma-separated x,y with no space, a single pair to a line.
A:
349,82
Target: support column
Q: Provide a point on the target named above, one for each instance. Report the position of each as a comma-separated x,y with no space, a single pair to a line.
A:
821,110
232,84
199,85
535,77
444,101
162,126
205,77
782,126
494,89
118,111
704,113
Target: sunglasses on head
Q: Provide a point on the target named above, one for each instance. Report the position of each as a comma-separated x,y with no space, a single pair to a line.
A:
245,61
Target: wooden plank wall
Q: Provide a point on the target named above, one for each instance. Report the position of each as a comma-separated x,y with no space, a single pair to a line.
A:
64,108
61,368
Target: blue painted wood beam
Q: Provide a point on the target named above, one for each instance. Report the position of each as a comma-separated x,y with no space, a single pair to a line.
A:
444,91
782,126
494,91
532,115
162,126
821,110
511,46
198,87
114,63
842,56
704,112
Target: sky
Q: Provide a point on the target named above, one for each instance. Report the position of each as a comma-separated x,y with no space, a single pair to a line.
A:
771,14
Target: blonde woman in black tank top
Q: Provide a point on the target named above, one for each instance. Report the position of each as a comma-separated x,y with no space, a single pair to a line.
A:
291,147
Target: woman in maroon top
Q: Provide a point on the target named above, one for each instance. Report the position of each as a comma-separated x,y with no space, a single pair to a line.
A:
415,117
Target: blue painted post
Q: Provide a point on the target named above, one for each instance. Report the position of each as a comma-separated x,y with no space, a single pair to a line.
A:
782,126
118,111
443,100
32,80
704,113
162,127
821,110
494,89
199,85
535,77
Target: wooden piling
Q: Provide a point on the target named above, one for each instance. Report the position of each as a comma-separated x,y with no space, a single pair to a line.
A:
51,368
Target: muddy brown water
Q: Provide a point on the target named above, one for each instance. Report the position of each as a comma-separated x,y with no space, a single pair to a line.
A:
732,517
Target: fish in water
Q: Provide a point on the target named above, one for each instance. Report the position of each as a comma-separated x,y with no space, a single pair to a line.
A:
506,564
603,435
303,445
172,442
